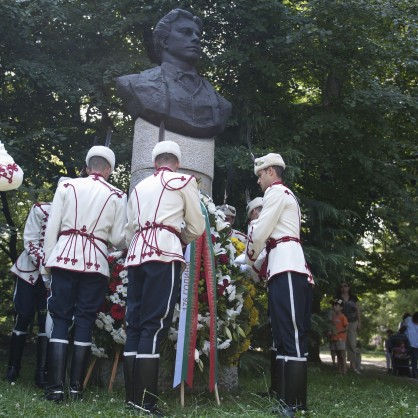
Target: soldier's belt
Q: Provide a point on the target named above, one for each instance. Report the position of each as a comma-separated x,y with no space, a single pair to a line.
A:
89,236
160,226
272,243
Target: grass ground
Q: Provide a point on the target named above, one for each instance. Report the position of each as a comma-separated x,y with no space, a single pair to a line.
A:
374,393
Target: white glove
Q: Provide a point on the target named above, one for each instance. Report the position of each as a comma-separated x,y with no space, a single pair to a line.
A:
240,259
47,280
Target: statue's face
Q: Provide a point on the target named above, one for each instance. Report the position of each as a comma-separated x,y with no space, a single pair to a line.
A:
183,42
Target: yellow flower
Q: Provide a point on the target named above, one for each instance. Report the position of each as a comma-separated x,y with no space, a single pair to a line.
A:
253,316
248,302
239,246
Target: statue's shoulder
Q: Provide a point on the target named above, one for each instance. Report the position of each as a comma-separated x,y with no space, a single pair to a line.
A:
142,79
224,104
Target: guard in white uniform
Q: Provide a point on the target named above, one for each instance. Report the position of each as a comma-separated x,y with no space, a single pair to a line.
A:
86,215
289,292
30,295
230,214
164,215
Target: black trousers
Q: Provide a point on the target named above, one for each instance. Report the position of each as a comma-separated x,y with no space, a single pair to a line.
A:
153,289
75,296
289,304
28,300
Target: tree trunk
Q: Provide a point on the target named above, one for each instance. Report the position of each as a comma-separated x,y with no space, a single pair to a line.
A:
11,249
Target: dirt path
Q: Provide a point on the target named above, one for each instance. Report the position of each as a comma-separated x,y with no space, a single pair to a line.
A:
367,363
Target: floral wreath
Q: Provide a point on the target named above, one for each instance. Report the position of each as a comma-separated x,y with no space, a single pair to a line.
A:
237,314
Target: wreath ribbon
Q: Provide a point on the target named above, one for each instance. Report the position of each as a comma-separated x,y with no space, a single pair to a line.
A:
199,253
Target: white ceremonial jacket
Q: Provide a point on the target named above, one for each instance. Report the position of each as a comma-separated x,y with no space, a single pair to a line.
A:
28,264
87,216
278,231
163,213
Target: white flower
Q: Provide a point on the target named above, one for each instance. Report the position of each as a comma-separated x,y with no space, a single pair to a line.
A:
218,249
211,208
214,232
206,347
116,255
108,327
98,352
231,289
99,323
222,278
224,345
119,335
220,224
176,312
115,298
232,314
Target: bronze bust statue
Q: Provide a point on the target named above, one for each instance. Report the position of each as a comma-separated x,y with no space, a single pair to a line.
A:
174,92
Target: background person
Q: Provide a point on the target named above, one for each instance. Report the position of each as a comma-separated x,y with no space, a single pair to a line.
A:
86,215
230,215
388,354
338,334
164,215
411,332
351,309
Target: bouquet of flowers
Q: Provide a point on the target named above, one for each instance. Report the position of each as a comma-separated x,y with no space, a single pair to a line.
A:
111,318
237,314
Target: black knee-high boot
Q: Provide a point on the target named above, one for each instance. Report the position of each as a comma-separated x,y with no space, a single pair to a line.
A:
273,372
146,386
17,344
280,380
128,373
57,358
295,376
79,364
41,362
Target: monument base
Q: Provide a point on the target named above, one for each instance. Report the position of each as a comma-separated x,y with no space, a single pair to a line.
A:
197,155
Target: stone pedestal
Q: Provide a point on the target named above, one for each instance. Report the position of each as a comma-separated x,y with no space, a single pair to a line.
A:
197,155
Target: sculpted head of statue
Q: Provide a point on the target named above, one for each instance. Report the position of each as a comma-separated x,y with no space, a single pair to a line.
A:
176,38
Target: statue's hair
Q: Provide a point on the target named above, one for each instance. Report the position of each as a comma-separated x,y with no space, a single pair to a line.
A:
163,27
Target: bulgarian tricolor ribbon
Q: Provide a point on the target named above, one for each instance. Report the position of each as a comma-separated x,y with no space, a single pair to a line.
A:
199,253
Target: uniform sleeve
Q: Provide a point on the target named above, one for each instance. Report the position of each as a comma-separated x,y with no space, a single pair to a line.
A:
117,233
31,237
54,223
261,229
193,217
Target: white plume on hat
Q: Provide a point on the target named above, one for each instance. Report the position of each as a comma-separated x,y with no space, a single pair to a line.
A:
11,177
104,152
169,147
255,203
267,161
